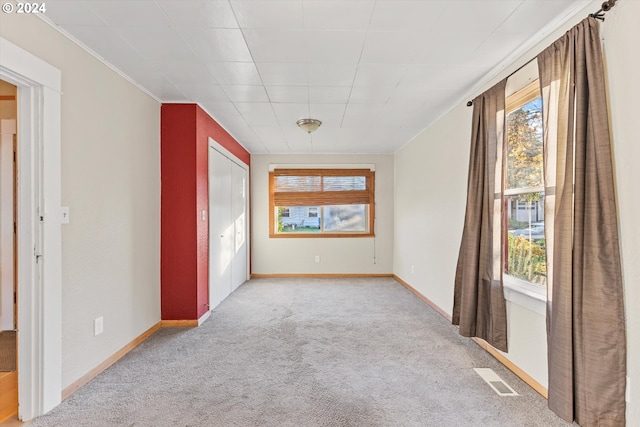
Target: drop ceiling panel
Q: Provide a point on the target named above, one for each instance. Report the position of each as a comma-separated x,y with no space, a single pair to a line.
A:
375,72
235,73
199,13
337,14
67,13
331,74
257,114
281,74
474,16
288,94
379,74
269,45
130,13
410,15
216,44
329,95
334,46
244,93
390,47
274,14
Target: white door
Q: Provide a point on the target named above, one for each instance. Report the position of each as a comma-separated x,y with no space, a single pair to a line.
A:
221,230
239,218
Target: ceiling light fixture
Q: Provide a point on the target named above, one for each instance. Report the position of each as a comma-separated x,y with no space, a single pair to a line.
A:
309,125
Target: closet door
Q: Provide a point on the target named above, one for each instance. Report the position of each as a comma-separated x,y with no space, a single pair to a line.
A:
221,229
239,217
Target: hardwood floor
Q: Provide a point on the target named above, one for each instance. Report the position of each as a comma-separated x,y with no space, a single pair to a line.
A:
8,395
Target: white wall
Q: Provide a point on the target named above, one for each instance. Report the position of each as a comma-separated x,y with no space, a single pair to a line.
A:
439,156
110,182
358,255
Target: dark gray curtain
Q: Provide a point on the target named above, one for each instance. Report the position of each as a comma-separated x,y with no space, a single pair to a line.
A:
585,312
479,307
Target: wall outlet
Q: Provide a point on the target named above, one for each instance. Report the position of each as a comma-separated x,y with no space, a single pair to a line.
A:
627,396
98,326
412,270
317,258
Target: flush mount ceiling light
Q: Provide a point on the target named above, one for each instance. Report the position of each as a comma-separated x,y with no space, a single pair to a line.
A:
309,125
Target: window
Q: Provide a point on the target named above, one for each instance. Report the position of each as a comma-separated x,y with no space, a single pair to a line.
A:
525,254
321,202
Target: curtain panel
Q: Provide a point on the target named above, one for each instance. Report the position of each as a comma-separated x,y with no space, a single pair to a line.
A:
479,307
585,311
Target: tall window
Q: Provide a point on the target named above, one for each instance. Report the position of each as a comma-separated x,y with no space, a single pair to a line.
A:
321,202
524,188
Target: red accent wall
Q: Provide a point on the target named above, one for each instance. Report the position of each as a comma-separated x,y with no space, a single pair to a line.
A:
184,241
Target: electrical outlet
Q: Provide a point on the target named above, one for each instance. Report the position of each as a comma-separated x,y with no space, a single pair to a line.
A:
628,393
317,258
98,326
412,270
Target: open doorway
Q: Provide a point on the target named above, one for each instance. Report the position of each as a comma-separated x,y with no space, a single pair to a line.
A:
8,258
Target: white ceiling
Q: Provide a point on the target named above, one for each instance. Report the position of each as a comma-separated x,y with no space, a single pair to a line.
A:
376,72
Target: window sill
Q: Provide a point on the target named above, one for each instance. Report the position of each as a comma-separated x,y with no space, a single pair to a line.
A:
530,296
319,235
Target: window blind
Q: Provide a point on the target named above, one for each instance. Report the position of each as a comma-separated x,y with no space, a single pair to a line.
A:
321,187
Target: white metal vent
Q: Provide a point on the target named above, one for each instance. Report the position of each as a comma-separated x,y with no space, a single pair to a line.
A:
495,382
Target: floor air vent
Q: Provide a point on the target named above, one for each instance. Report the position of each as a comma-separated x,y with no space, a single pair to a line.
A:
495,382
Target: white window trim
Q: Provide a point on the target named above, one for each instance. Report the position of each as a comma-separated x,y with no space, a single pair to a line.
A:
526,294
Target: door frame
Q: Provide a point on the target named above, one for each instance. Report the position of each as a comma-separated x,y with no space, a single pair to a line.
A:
228,154
39,228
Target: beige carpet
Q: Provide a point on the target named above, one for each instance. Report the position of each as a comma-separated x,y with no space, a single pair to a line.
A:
7,351
306,353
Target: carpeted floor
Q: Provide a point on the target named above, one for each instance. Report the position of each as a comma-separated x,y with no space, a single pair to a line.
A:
7,351
293,352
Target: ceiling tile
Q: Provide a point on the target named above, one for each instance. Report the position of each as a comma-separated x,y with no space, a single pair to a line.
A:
280,74
269,134
187,72
235,73
288,94
65,13
129,13
496,48
531,14
441,76
405,15
225,113
215,44
387,47
329,95
157,45
269,45
199,13
361,115
289,114
337,14
257,113
202,91
334,46
474,16
162,88
273,14
447,48
296,136
379,74
277,147
244,93
370,94
329,114
331,74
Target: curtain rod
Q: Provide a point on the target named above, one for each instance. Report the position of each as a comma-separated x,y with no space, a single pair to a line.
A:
606,7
